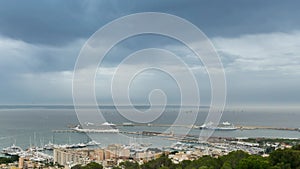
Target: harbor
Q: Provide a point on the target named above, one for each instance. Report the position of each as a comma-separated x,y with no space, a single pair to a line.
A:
179,146
72,128
59,130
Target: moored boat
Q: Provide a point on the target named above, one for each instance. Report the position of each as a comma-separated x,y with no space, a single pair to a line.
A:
12,150
103,128
225,126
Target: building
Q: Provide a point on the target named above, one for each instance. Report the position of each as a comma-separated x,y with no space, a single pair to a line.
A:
21,162
71,157
111,152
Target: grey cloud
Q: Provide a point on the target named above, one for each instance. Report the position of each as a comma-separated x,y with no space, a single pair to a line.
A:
18,57
53,22
59,22
277,52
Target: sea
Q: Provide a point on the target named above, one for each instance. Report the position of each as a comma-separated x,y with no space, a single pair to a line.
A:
29,125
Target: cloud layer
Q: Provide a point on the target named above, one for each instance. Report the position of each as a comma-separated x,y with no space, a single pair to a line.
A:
274,52
40,41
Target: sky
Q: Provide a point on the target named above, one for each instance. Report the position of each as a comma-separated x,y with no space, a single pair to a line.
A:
258,43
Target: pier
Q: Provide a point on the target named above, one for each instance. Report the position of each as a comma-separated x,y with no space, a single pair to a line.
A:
266,128
65,131
238,127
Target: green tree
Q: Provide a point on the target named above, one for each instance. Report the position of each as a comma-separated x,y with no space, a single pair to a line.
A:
6,160
164,167
253,162
185,163
233,158
226,165
162,161
93,165
205,161
296,147
203,167
78,166
116,167
287,157
281,166
130,165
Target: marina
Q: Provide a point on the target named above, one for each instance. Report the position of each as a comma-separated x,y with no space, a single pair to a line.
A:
44,128
184,149
45,153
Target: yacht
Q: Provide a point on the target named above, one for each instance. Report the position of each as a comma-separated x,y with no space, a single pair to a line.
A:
92,143
49,146
12,150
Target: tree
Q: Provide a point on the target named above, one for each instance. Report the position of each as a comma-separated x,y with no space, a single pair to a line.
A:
5,160
233,158
205,161
91,165
226,165
78,166
185,163
296,147
286,156
162,161
164,167
203,167
130,165
116,167
253,162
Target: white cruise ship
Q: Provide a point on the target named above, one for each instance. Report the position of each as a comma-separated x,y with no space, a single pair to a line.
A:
92,128
223,126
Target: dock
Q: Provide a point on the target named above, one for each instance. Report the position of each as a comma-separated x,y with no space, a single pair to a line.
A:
265,128
238,127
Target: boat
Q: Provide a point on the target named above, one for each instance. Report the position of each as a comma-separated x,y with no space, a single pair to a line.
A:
12,150
128,124
225,126
36,148
92,128
179,146
81,145
92,143
37,159
25,154
49,146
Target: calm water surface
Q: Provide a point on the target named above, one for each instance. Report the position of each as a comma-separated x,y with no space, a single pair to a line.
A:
34,125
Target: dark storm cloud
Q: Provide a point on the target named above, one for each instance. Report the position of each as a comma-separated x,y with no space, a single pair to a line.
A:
52,22
57,22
